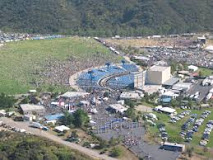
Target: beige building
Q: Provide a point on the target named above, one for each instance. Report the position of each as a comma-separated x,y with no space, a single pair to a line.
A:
32,108
139,79
157,75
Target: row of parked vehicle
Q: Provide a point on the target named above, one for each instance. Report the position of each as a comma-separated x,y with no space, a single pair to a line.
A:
206,133
190,121
163,132
197,123
176,118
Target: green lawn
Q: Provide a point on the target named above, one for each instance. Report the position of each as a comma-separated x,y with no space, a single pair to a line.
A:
206,71
19,60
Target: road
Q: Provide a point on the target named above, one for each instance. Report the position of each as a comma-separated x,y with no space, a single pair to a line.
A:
37,132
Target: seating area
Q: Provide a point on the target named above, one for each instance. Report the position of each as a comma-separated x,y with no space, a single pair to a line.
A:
130,67
92,77
121,82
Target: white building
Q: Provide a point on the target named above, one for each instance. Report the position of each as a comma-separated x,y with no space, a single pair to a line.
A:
182,86
74,94
62,128
192,68
131,95
157,75
118,108
170,94
168,110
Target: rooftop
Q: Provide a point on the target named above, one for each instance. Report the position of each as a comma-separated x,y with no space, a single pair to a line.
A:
54,116
62,128
158,68
130,95
171,81
74,94
30,107
167,109
173,144
118,107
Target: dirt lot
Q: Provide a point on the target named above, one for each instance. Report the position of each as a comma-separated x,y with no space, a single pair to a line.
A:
143,108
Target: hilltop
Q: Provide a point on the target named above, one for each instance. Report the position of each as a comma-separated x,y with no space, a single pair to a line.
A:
101,17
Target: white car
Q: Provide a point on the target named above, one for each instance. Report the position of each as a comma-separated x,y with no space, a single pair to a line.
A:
203,143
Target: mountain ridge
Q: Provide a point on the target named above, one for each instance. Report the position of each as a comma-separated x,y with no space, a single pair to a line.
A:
106,18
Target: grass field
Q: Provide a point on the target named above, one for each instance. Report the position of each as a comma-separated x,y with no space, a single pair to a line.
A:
206,71
20,61
173,130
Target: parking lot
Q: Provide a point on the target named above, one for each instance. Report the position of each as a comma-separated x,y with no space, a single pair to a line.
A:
133,139
197,87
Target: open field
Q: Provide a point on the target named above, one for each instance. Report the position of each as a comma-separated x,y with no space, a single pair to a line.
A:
173,130
43,63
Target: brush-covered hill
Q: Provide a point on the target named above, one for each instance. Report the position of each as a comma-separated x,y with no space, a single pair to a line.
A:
15,146
106,17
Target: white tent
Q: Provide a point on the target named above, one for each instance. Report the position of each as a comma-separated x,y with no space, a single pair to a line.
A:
193,68
62,128
118,108
168,110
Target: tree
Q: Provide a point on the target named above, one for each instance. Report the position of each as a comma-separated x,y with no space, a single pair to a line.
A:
106,94
80,118
201,73
102,144
116,152
6,101
189,151
130,103
189,104
114,141
67,119
130,113
25,100
174,103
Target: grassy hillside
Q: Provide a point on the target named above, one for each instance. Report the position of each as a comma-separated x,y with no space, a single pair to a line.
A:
101,17
14,146
43,63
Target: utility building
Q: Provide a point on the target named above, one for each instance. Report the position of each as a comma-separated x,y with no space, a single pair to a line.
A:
157,75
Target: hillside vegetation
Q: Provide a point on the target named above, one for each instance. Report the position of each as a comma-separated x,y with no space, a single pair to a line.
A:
14,146
101,17
42,64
